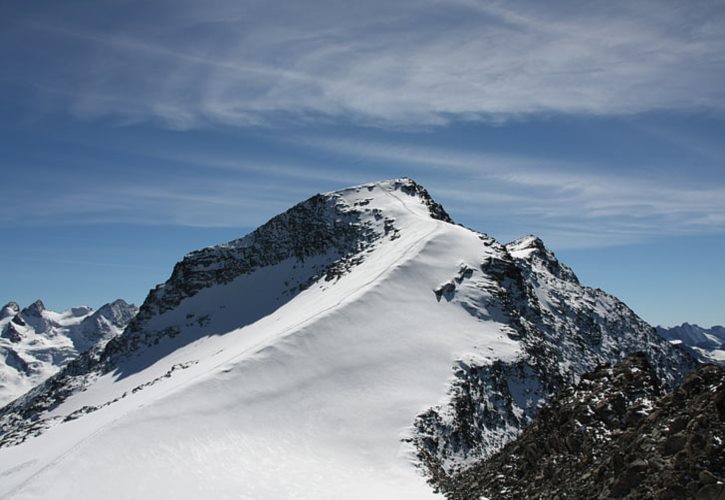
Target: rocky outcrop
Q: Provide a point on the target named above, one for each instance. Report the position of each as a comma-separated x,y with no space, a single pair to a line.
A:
34,310
321,225
613,435
564,329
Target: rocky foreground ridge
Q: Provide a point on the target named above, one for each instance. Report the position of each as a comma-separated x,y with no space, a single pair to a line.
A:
614,435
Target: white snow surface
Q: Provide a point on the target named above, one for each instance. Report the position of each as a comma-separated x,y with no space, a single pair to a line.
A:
48,340
308,398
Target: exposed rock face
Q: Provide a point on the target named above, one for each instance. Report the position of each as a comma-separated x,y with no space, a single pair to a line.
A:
613,436
34,310
323,225
565,330
103,325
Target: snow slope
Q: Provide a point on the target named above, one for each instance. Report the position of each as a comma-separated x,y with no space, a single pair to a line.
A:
291,363
36,343
707,344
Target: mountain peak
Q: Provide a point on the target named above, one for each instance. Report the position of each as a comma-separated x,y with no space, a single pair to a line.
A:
79,311
330,227
706,344
35,309
37,343
404,185
9,309
119,312
532,248
326,314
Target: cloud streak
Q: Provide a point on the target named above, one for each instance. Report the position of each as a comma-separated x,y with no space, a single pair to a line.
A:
573,205
570,204
392,64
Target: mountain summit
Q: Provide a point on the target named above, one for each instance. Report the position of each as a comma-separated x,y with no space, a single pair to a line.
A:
350,347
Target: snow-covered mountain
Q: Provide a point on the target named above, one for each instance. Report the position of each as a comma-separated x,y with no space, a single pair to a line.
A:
706,344
36,343
324,355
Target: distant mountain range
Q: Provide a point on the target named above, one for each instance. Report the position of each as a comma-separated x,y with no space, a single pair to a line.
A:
36,343
706,344
355,346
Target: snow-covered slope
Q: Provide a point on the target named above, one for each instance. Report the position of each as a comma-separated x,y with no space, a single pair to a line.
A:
707,344
35,343
320,357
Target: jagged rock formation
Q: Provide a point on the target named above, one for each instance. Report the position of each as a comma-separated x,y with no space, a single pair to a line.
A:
330,329
564,329
706,344
613,435
35,343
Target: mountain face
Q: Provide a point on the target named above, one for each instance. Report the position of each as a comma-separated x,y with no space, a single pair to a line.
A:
563,330
706,344
614,435
35,343
323,355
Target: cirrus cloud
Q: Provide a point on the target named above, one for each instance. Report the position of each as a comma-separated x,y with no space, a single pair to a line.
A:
395,64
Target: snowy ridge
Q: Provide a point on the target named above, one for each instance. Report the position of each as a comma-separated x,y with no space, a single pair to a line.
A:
292,363
563,329
35,343
706,344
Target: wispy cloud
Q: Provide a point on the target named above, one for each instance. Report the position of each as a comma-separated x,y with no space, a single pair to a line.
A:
571,204
383,63
189,200
574,205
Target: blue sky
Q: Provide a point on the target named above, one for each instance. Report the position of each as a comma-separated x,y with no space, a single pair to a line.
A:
133,132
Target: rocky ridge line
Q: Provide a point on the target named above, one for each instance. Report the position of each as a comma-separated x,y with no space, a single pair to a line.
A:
564,329
613,435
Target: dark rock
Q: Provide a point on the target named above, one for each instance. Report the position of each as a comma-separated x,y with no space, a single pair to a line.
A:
34,310
11,333
711,492
616,458
707,477
674,444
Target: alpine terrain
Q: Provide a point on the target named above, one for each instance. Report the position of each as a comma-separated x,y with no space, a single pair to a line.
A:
706,344
614,435
356,346
35,343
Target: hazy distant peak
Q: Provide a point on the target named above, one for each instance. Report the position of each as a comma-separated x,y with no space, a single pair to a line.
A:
9,309
35,309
